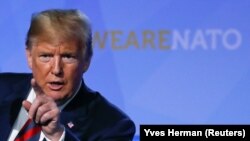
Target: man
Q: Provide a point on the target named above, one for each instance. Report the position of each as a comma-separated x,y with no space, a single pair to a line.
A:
53,101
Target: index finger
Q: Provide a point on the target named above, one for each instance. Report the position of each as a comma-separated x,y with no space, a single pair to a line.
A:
38,90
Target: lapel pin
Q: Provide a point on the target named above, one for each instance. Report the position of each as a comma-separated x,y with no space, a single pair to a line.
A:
70,124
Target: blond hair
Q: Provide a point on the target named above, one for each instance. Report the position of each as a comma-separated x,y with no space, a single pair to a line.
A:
58,25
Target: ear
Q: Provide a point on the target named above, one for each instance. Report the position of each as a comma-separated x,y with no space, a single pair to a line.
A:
29,57
86,66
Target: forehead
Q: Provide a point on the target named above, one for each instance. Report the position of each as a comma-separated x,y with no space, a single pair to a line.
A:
62,46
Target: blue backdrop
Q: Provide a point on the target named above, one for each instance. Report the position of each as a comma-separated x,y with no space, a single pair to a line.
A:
161,61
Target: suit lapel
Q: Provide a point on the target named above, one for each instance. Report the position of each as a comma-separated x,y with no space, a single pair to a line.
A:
7,109
10,107
75,116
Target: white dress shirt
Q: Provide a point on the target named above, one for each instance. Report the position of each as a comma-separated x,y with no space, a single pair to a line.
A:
23,117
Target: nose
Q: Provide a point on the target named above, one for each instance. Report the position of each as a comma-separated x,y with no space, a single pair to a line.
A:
57,68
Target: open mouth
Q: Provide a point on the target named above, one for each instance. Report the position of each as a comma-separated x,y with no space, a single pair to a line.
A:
56,86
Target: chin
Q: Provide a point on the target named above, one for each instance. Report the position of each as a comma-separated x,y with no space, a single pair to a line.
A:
56,95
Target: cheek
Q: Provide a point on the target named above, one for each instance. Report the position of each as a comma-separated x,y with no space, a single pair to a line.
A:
74,74
40,71
74,69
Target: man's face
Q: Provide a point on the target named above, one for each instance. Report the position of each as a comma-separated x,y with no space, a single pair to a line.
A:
57,69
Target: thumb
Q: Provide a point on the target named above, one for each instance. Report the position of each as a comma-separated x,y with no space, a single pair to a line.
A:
26,105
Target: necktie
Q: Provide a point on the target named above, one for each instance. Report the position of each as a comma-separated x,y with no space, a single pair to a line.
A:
29,132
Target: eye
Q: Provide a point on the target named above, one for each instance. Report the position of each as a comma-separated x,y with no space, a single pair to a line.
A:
45,57
69,58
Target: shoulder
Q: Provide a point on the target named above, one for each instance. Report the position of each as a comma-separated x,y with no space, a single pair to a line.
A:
110,119
13,77
97,106
13,84
106,108
96,118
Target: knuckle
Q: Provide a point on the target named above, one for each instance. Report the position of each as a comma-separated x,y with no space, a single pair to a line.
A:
45,117
56,111
40,109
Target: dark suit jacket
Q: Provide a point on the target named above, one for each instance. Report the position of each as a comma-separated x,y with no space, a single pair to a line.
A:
92,116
